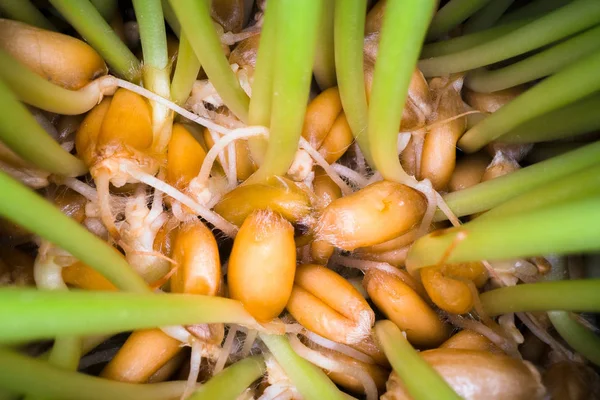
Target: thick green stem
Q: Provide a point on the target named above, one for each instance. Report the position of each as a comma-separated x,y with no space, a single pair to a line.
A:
27,209
324,68
486,195
84,17
452,15
419,378
537,66
487,16
196,23
568,20
311,381
32,89
295,42
232,381
24,11
580,338
533,9
567,86
23,135
403,30
349,26
575,186
22,374
171,18
572,120
106,8
262,86
563,228
186,71
569,295
66,352
468,41
45,314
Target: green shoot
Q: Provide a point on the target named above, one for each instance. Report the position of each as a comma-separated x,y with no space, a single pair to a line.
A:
186,71
533,8
569,295
84,17
526,234
295,42
311,382
453,14
402,33
486,195
569,121
171,18
324,68
537,66
38,314
568,20
232,381
24,11
36,146
195,20
419,378
570,84
30,376
349,26
579,337
487,16
106,8
27,209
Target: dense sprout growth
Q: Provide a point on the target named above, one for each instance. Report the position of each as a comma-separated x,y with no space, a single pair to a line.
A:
283,199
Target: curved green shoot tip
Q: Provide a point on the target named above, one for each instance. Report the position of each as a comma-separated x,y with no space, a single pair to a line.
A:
35,377
22,134
232,381
420,379
525,234
37,314
27,209
570,295
311,381
581,339
404,26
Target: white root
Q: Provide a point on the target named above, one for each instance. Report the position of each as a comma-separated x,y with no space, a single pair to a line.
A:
335,366
534,326
232,167
366,265
226,351
34,178
504,343
102,179
195,361
219,222
230,38
346,190
351,175
77,186
251,336
339,347
46,273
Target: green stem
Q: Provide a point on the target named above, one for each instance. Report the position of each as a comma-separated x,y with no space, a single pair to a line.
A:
349,26
568,20
30,376
27,209
486,195
32,89
84,17
171,18
452,15
66,352
295,43
24,11
195,20
421,381
575,119
232,381
487,16
311,381
262,86
324,68
560,228
403,30
36,146
106,8
186,72
567,86
575,186
468,41
533,9
37,314
537,66
580,338
569,295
